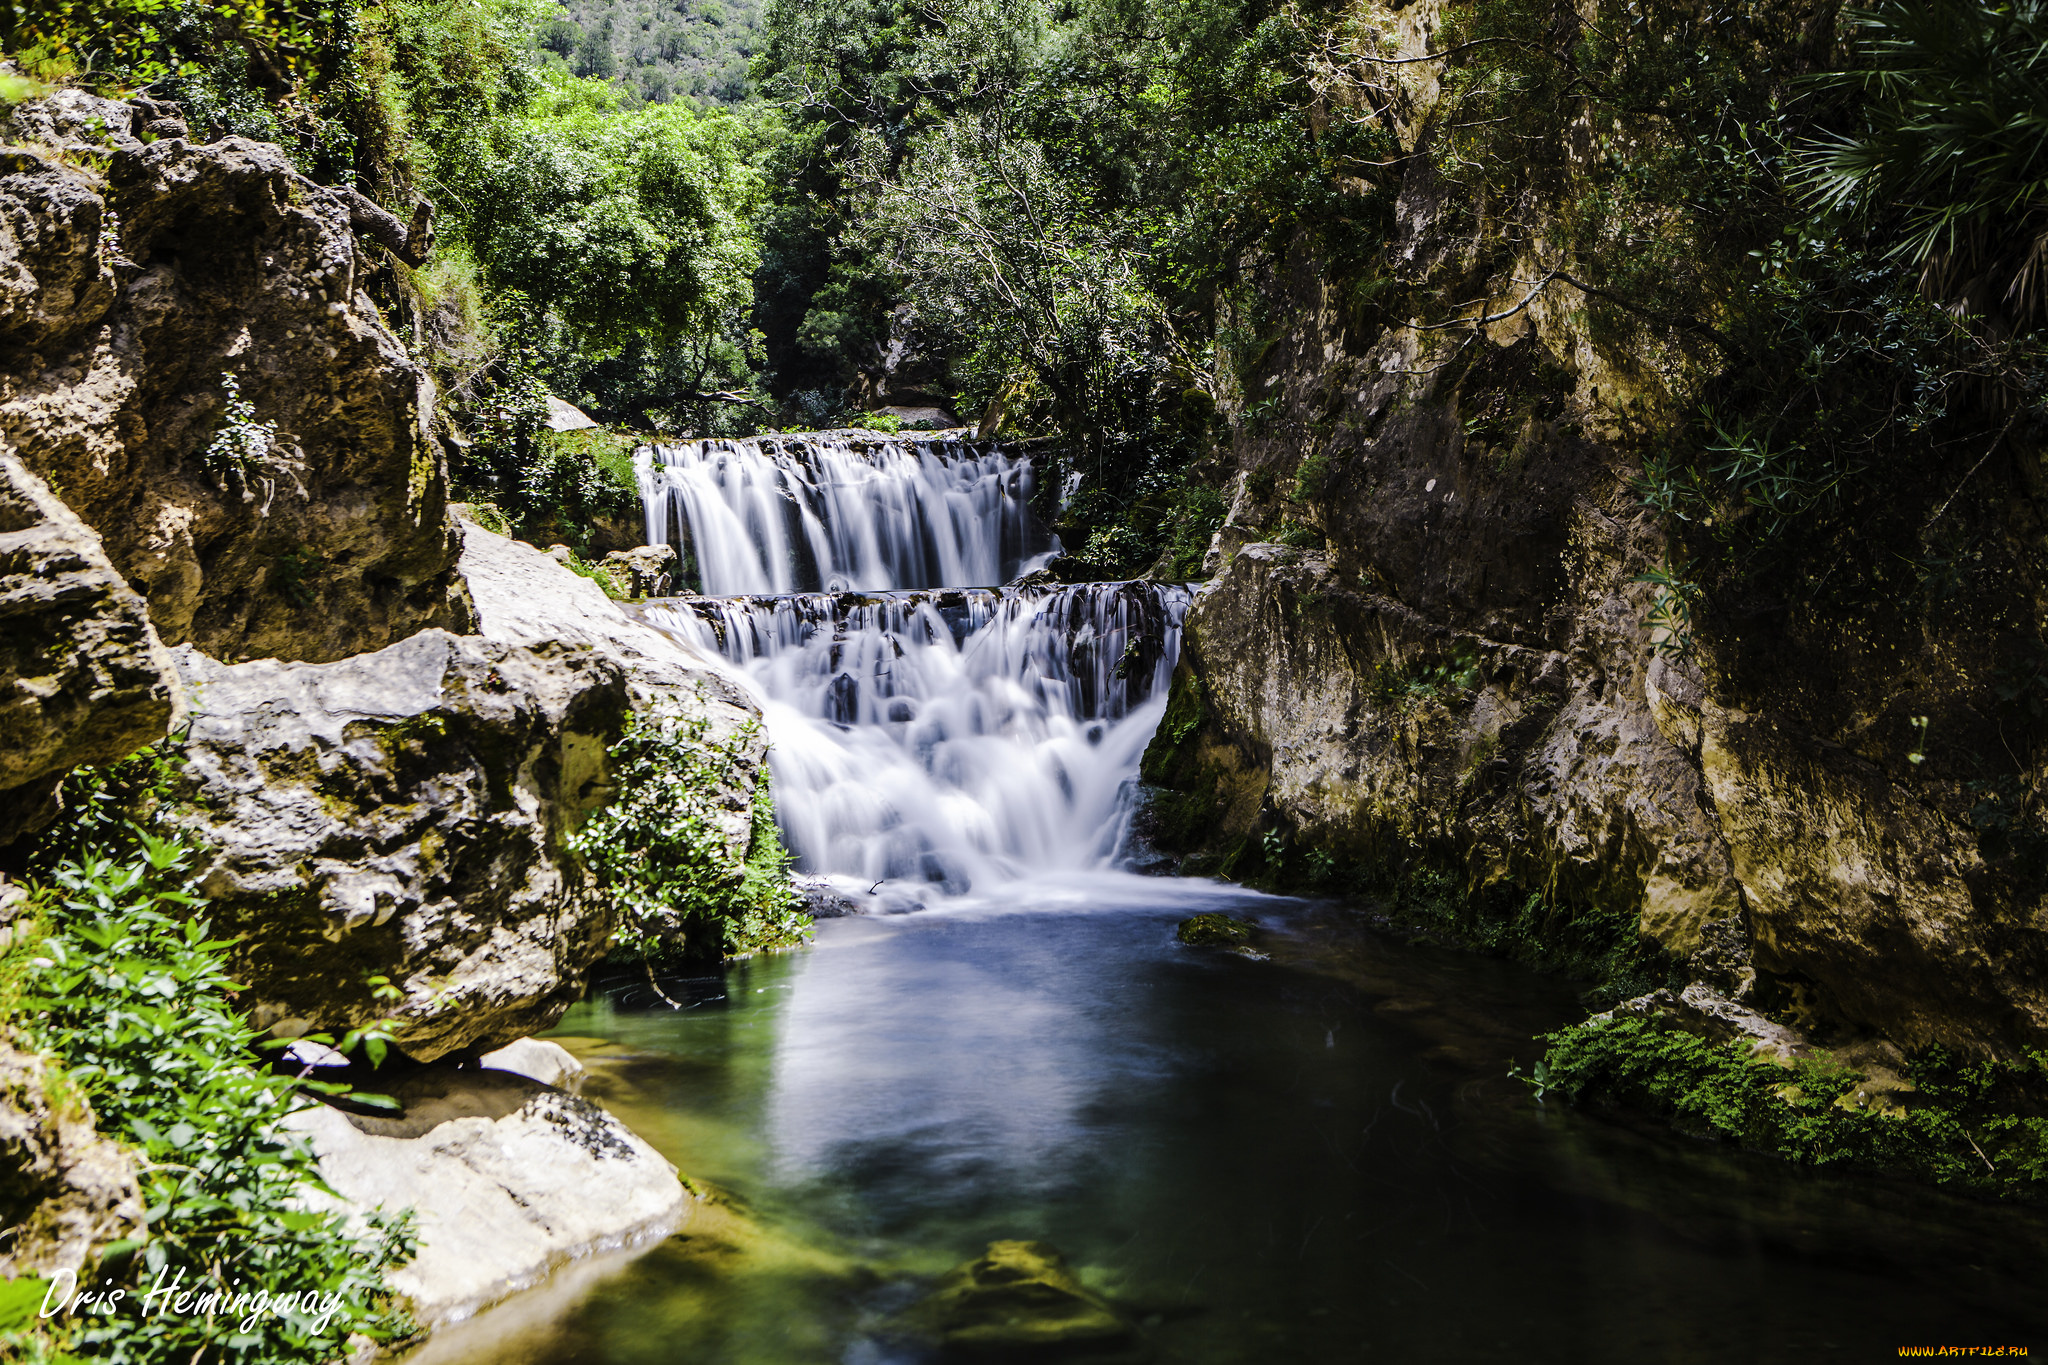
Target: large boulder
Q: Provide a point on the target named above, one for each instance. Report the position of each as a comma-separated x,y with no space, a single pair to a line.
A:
402,815
523,597
86,679
133,277
509,1178
64,1189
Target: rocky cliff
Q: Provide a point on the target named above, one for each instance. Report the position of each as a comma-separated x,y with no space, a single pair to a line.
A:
1429,651
188,357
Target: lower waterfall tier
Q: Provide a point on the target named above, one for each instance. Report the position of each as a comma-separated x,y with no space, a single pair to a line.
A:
950,738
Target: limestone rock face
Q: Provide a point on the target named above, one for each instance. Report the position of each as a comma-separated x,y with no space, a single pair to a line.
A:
402,814
85,678
64,1189
134,276
1435,639
648,571
1371,728
523,597
1865,896
509,1177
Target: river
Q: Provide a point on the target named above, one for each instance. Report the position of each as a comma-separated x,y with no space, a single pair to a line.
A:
1318,1154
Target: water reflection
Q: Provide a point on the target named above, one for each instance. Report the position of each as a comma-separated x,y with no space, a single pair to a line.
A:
1316,1158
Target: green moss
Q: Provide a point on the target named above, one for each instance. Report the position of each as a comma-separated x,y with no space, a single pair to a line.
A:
1969,1125
1184,714
1214,931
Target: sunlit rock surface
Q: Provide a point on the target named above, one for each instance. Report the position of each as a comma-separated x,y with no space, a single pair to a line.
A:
83,678
134,275
510,1179
402,815
64,1189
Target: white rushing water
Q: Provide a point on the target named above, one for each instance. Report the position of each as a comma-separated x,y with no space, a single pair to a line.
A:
775,514
953,739
931,732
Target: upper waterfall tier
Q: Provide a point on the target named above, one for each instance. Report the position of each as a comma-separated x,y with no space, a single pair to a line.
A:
831,512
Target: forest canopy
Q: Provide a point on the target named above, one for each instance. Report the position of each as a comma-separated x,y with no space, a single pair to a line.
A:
1067,217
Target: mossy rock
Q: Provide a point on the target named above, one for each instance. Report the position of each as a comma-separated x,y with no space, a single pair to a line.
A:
1018,1301
1215,931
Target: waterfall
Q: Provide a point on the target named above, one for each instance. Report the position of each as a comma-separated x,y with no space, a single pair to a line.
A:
929,731
955,738
810,513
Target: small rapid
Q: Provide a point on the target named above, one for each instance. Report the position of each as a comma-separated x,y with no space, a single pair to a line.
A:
931,732
943,740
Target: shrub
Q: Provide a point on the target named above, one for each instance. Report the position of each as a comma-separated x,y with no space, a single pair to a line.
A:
1966,1125
662,861
130,995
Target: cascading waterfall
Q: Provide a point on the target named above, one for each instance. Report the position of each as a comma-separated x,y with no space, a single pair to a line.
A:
931,733
813,513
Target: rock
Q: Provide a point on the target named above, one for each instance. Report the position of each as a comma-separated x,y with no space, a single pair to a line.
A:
921,418
823,900
1214,931
538,1060
83,677
1519,746
1058,571
1867,895
64,1189
523,597
647,571
510,1180
402,814
1019,1301
1706,1014
132,277
567,416
562,555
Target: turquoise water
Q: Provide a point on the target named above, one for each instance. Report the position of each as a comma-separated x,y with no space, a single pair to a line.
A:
1318,1157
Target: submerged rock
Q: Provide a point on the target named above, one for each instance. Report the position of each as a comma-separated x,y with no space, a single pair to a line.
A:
83,677
1018,1301
402,815
1217,931
510,1180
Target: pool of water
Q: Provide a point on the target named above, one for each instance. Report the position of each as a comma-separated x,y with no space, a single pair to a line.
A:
1316,1157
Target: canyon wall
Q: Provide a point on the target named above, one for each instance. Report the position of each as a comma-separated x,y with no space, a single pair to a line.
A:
1429,649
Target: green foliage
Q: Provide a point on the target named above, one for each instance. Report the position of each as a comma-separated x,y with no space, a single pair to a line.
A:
147,40
545,486
686,49
239,452
623,224
1955,109
128,989
662,861
1966,1124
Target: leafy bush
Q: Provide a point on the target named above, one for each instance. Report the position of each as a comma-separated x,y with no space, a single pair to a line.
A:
1966,1125
662,861
129,993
